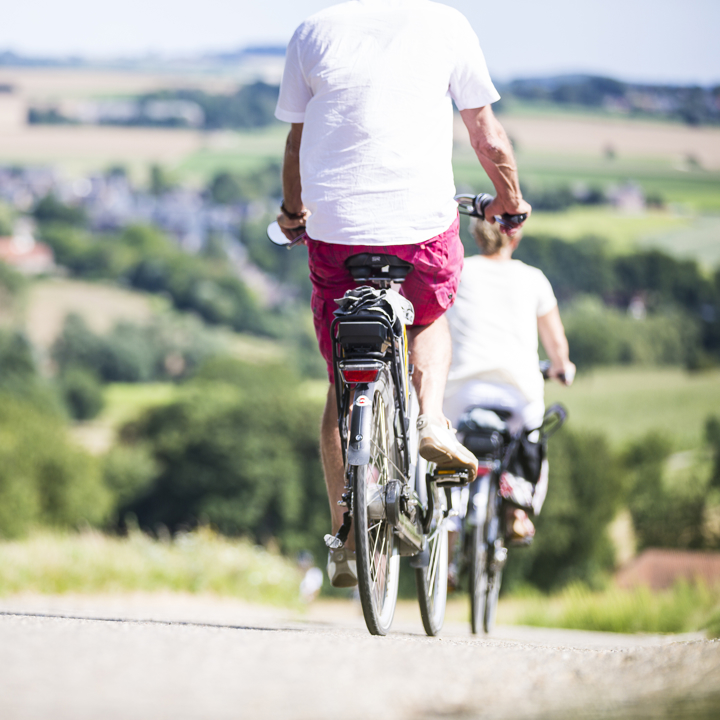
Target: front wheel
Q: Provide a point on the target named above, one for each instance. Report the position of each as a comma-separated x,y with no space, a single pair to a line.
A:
477,557
431,580
378,561
497,553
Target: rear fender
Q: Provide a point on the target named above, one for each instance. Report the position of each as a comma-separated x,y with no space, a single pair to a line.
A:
361,426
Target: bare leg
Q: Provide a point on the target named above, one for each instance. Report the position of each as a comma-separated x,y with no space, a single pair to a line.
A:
431,352
331,456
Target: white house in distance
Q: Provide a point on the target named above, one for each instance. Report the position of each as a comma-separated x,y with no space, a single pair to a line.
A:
22,252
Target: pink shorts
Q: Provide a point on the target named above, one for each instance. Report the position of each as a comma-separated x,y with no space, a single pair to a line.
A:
431,286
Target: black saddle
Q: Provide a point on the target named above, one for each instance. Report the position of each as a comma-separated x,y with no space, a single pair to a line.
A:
369,267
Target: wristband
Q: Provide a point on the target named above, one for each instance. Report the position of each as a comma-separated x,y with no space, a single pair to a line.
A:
292,216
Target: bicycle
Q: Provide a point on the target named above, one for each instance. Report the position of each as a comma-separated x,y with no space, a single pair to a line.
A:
396,504
484,431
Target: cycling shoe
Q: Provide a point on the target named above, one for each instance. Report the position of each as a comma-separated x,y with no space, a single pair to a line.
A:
439,445
342,568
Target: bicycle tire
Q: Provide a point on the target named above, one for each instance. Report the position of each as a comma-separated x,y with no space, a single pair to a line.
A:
478,578
432,581
495,539
378,561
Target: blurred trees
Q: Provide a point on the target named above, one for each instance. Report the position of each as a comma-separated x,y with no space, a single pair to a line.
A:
587,488
148,260
238,450
50,209
167,348
44,478
680,303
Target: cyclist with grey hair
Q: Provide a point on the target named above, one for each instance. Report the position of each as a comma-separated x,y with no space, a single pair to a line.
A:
368,88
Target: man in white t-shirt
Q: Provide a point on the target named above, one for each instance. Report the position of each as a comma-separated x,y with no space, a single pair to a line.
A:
501,307
368,87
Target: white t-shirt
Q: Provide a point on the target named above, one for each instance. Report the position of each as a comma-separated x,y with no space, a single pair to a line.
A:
493,324
373,82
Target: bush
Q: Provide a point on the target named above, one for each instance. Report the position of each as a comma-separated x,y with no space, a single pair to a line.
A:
128,471
666,511
587,487
239,449
50,209
146,259
44,479
599,335
82,393
19,376
167,348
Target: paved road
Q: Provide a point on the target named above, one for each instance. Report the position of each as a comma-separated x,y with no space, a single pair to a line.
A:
166,656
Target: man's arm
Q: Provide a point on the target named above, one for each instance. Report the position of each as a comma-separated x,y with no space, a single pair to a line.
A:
292,218
493,148
553,339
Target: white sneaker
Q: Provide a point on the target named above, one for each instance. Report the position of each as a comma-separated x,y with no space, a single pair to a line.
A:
342,568
439,445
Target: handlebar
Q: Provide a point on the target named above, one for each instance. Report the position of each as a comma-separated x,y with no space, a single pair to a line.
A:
545,370
475,206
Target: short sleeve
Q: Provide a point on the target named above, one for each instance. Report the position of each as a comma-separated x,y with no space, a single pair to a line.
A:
470,83
545,295
295,92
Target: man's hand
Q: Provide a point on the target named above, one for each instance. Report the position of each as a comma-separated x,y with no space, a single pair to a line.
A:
564,372
293,228
501,206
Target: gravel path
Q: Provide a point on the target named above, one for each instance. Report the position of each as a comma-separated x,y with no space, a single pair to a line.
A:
169,656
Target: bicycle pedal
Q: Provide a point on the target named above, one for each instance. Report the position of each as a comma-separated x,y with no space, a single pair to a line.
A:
451,477
333,542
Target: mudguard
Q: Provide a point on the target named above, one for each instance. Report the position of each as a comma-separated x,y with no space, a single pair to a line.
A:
360,441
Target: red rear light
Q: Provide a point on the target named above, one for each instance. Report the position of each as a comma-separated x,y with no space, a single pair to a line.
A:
484,470
357,375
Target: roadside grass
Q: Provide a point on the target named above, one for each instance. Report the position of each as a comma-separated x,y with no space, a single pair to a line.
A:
684,608
626,403
198,562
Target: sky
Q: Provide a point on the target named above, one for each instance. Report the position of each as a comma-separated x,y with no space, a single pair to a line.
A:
636,40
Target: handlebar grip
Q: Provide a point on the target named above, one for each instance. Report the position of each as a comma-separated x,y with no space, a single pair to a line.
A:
484,199
515,219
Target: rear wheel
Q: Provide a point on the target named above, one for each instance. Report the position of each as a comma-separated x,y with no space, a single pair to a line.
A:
378,561
431,580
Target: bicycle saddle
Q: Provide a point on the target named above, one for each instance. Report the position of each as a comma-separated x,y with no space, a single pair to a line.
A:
369,267
484,418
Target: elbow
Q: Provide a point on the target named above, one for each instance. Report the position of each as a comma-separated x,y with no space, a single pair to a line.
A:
490,146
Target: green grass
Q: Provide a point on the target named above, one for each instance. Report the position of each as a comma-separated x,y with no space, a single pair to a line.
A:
125,401
623,230
625,403
684,608
199,562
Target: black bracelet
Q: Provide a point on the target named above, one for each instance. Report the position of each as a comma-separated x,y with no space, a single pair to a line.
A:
289,215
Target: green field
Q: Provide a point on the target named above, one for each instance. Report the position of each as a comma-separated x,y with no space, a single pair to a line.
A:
626,403
695,189
239,152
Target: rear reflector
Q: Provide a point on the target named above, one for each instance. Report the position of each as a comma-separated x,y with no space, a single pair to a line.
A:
362,375
484,470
